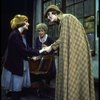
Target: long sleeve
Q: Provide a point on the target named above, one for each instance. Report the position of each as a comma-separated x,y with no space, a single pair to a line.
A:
55,45
16,44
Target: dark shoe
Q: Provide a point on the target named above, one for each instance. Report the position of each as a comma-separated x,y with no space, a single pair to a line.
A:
16,96
8,94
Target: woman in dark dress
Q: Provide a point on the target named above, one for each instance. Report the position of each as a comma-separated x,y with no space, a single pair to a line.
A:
42,41
15,73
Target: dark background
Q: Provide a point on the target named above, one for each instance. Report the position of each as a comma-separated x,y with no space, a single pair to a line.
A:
9,8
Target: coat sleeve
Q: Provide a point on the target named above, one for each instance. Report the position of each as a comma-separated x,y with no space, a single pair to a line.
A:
20,47
55,45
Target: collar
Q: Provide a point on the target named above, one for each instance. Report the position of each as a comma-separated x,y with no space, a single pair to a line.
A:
42,40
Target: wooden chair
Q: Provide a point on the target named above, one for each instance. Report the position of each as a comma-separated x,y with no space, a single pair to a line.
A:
41,65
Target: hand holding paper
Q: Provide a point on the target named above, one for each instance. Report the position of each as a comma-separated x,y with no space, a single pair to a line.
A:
34,58
48,49
45,49
42,50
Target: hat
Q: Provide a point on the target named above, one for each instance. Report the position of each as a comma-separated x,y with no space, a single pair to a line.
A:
41,25
52,8
18,21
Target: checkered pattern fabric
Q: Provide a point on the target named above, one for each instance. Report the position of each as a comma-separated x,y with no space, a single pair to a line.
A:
74,80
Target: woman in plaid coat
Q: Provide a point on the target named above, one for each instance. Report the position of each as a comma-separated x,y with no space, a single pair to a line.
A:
74,80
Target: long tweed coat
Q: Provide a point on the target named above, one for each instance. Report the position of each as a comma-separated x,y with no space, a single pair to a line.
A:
74,79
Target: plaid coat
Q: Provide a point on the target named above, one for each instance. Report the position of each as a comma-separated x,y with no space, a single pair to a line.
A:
74,80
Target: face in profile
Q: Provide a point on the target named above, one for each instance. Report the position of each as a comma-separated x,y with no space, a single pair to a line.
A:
52,16
26,25
41,33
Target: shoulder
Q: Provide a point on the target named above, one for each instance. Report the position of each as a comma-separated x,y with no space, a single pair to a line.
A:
14,34
50,39
68,16
37,38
